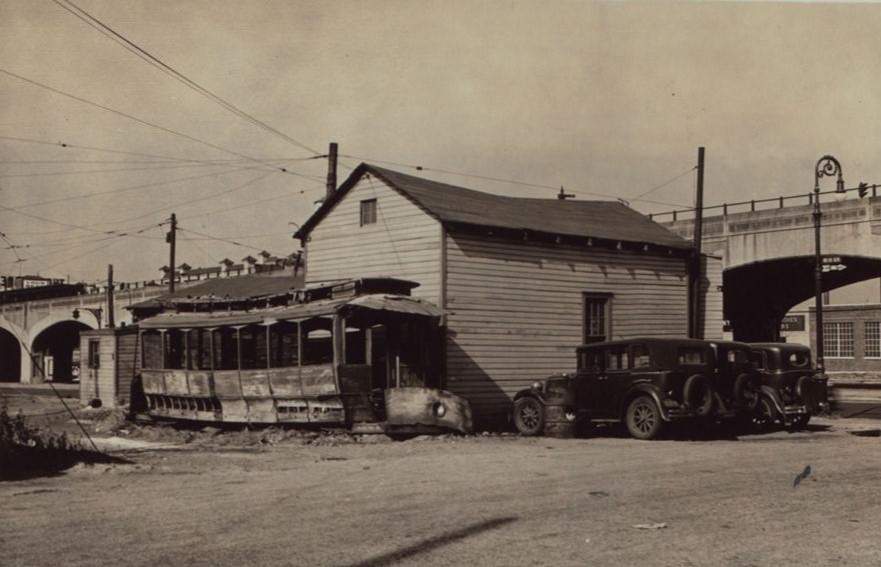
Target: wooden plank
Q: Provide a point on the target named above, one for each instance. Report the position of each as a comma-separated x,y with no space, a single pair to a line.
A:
255,384
153,381
200,384
226,384
285,382
176,383
318,380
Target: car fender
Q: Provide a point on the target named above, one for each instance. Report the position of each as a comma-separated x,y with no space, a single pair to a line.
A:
531,392
773,395
644,389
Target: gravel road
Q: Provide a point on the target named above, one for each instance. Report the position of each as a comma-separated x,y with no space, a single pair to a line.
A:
483,500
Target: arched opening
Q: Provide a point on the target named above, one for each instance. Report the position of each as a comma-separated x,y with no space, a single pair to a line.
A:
758,295
56,352
10,357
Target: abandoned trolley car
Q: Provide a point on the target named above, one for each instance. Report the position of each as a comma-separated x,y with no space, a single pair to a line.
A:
352,351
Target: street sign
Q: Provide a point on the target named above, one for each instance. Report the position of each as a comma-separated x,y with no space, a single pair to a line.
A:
793,323
832,264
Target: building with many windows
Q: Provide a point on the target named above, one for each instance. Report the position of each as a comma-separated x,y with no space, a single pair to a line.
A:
851,339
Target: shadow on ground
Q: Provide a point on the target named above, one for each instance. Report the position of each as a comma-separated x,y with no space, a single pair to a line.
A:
23,462
433,543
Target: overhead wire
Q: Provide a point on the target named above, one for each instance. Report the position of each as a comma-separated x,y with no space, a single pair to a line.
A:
132,47
147,123
219,238
142,154
664,184
130,188
198,199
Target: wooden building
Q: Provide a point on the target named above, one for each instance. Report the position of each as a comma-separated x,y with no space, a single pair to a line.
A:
109,365
521,281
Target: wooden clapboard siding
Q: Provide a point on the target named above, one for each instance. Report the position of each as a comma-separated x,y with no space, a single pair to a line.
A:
711,298
404,242
515,308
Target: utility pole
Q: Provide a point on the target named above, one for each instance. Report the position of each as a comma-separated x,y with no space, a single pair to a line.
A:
331,170
110,322
171,238
696,320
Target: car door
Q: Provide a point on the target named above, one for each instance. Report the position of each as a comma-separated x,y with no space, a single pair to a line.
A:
590,381
618,379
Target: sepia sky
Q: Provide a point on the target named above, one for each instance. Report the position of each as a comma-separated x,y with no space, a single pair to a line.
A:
609,99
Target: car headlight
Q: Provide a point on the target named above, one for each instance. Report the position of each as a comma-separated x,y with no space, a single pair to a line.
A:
536,385
439,409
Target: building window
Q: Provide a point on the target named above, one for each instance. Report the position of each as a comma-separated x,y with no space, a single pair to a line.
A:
597,317
838,340
94,359
368,211
872,331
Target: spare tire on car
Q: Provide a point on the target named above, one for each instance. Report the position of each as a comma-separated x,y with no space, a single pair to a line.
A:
698,395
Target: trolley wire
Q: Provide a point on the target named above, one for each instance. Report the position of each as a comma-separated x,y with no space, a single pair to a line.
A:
170,71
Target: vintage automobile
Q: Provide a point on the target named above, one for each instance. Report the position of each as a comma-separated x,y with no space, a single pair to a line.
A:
791,391
643,382
735,382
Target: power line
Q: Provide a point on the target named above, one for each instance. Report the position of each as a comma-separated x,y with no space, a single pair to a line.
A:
141,154
167,69
220,239
146,123
664,184
198,199
130,188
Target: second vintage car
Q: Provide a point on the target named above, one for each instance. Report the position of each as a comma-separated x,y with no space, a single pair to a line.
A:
791,390
642,382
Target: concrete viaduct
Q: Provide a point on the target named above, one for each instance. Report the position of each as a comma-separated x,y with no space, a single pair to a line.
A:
39,339
767,251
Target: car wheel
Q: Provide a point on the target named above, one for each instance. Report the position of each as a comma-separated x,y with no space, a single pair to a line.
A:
529,416
765,415
643,418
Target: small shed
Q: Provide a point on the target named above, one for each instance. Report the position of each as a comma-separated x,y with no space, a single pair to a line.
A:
109,364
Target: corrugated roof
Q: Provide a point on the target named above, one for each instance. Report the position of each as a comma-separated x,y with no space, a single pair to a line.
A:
457,205
234,288
374,302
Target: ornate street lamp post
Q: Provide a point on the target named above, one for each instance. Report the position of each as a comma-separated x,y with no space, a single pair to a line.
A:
827,165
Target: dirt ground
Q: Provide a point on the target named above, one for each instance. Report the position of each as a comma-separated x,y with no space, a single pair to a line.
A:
280,497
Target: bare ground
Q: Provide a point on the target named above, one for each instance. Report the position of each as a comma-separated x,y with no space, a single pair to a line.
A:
279,498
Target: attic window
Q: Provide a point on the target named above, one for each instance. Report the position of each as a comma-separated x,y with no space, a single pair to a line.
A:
368,212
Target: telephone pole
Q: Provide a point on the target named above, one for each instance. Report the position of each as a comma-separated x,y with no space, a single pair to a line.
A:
696,323
171,238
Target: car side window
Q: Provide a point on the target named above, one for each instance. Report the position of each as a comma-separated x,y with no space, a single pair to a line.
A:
688,356
618,359
641,357
591,361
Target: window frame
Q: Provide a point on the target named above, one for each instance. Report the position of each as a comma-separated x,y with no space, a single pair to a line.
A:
875,338
836,341
368,211
605,301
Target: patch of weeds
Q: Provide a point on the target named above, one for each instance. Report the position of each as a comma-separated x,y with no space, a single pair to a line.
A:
26,451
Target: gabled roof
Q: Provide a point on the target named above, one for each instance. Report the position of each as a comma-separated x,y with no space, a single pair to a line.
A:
453,205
